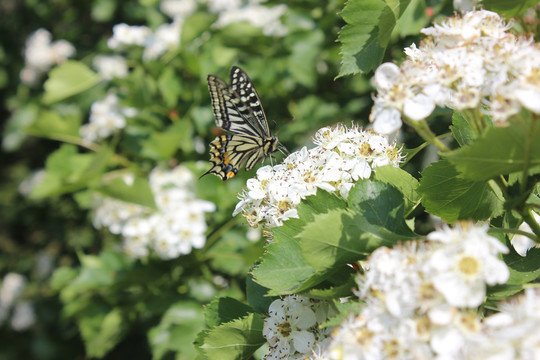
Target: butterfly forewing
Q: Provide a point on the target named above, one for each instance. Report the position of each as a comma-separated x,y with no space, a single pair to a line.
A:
238,109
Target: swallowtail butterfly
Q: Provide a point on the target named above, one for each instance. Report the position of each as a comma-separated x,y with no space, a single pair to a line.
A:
238,110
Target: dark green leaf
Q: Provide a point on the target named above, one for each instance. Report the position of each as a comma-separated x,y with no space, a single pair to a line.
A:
237,339
509,8
461,129
223,310
403,181
450,197
367,33
500,151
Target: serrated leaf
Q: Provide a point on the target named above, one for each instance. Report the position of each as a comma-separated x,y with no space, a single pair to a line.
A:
367,33
224,310
237,339
283,269
70,78
403,181
461,129
523,269
500,151
450,197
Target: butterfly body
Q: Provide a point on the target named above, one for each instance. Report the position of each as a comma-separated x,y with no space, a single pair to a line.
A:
237,109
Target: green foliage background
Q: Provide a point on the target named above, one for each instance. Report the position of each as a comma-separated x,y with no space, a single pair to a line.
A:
96,301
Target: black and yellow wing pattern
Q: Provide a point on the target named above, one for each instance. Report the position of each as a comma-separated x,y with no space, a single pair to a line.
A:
238,110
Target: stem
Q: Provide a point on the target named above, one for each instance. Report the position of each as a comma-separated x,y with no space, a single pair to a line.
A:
531,221
212,238
425,132
513,231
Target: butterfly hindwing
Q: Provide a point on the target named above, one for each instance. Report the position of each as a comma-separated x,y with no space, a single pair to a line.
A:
229,153
237,109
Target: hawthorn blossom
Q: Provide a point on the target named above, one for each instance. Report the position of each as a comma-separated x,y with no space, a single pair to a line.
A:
173,229
466,62
343,155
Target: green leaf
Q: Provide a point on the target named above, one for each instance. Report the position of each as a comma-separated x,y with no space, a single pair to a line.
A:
223,310
195,25
68,79
500,151
450,197
177,330
69,171
525,269
52,125
461,129
367,33
234,254
509,9
283,269
138,191
101,332
403,181
164,144
169,86
342,236
237,339
257,295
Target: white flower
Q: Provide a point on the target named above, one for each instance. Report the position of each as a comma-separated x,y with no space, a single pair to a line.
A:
107,117
467,62
165,38
291,328
41,54
12,288
178,8
177,225
343,156
125,35
258,15
23,316
110,67
461,272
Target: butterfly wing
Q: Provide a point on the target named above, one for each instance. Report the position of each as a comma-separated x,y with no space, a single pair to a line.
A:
237,108
229,153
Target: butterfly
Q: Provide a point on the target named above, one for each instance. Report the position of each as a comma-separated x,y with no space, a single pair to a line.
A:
238,110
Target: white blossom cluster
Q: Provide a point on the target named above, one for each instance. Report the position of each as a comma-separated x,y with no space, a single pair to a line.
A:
467,62
107,117
111,66
420,298
292,327
22,311
173,229
41,54
342,156
166,37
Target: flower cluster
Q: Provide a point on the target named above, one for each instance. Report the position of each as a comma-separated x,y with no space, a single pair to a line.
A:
173,229
467,62
342,156
23,315
41,54
109,67
107,117
419,297
167,36
292,327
